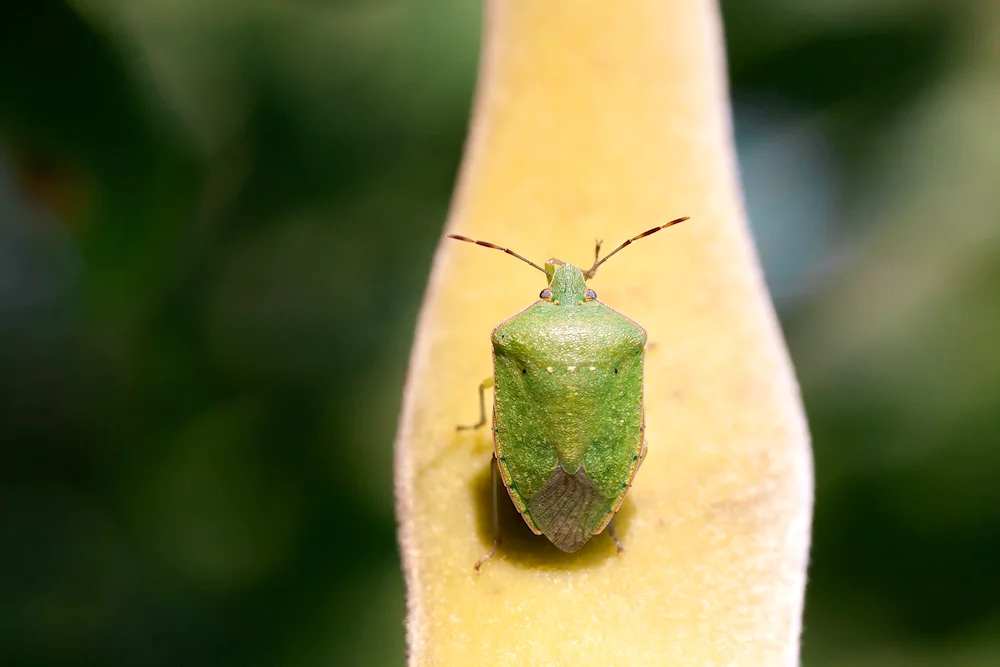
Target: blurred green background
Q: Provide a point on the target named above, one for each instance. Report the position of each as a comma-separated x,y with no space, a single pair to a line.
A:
216,223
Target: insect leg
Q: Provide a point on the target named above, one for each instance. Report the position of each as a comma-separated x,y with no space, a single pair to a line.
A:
597,250
611,524
642,456
496,517
611,532
486,384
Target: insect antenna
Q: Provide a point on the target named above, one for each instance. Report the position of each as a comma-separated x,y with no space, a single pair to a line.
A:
589,273
486,244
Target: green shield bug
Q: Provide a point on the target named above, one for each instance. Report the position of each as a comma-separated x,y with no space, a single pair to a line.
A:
568,418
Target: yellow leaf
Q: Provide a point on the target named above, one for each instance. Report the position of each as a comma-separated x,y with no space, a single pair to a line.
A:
602,119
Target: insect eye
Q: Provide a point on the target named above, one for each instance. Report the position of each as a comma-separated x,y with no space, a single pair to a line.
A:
590,295
545,294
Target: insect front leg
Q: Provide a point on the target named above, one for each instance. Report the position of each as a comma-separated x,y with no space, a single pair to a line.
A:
496,515
486,384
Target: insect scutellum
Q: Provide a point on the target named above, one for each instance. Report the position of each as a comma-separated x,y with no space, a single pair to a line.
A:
568,283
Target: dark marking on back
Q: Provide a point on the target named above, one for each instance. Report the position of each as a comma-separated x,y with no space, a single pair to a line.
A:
568,508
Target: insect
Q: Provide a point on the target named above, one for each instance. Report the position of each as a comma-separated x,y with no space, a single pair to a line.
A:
568,417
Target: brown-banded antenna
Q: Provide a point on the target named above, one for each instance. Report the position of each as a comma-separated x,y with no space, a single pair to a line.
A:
486,244
589,273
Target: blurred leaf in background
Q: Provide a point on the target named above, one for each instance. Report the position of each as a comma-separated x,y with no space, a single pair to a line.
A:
216,222
217,219
881,115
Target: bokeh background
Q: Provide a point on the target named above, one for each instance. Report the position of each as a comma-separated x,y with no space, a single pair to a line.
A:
216,223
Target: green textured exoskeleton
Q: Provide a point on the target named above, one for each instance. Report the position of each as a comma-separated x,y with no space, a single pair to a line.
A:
568,421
